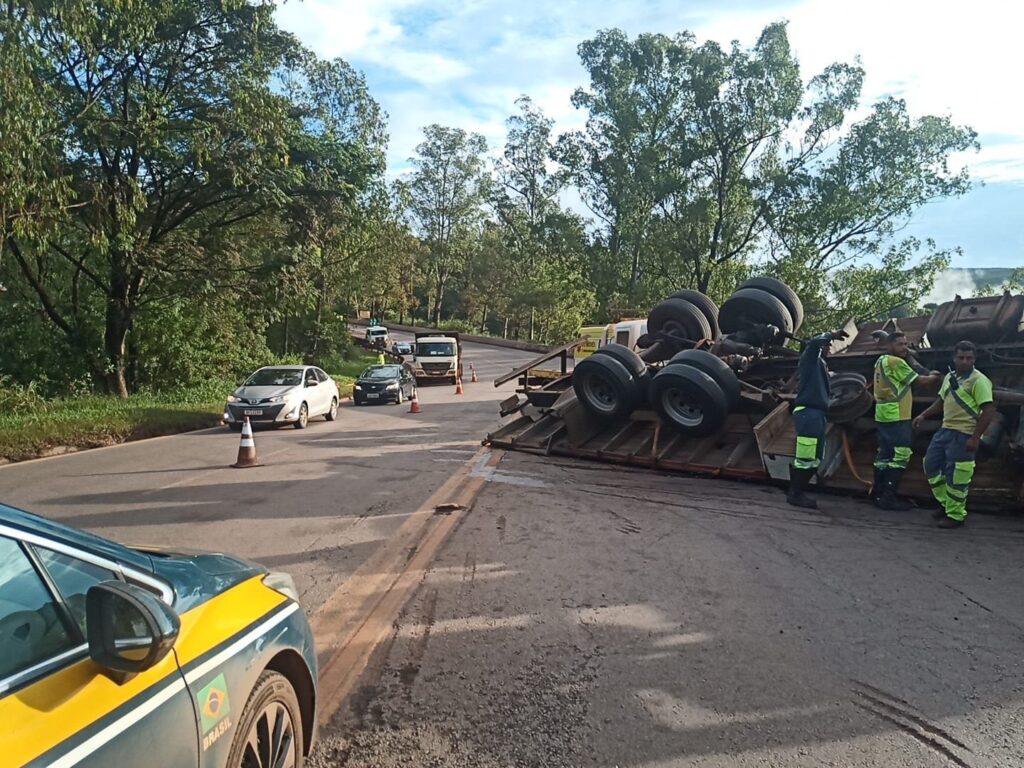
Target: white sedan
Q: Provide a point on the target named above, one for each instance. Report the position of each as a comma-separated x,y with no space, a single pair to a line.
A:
283,394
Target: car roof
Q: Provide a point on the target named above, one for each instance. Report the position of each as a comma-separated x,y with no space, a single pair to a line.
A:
377,328
285,367
29,523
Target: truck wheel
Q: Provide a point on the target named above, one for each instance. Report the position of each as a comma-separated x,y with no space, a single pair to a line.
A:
752,306
634,364
715,367
783,293
704,303
849,398
605,387
678,317
688,400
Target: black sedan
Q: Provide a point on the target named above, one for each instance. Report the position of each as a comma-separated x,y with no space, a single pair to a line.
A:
384,384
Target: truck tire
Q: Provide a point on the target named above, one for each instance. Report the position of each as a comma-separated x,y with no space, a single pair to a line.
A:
605,387
850,398
704,303
688,400
752,306
633,363
716,368
678,317
783,293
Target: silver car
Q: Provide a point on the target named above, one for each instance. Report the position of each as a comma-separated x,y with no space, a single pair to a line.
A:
283,394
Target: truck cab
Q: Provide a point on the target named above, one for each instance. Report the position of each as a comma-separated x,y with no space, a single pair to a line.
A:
437,357
378,335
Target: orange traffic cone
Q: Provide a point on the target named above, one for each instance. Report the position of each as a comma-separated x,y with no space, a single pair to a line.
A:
246,449
458,386
414,404
473,379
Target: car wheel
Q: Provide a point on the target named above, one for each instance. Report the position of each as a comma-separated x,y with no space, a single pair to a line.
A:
688,400
605,387
783,293
401,397
716,368
303,417
704,303
332,414
678,317
752,306
270,729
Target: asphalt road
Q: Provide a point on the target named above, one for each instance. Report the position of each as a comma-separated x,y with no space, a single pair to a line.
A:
480,609
326,497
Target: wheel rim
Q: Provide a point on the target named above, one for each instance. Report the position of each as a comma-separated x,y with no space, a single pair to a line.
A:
270,742
334,408
601,396
303,415
682,410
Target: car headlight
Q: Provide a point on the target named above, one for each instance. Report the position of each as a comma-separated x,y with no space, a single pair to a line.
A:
359,387
392,386
283,583
234,399
276,399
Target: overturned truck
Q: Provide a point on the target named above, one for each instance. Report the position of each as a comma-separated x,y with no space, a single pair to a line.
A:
708,391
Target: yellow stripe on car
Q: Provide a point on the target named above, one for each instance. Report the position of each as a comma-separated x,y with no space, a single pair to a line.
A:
41,716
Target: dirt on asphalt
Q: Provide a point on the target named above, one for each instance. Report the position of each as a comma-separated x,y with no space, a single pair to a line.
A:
584,615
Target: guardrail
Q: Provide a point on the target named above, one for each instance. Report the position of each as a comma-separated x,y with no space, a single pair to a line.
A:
491,341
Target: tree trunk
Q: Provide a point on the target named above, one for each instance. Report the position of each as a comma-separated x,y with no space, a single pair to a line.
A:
115,339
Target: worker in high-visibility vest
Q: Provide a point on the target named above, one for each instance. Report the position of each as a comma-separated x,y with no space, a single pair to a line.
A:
967,407
380,358
896,375
809,412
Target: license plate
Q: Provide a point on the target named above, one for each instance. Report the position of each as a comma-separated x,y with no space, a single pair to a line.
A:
252,412
372,397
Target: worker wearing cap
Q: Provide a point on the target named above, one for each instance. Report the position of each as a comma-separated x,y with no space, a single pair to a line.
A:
809,411
896,375
967,407
380,358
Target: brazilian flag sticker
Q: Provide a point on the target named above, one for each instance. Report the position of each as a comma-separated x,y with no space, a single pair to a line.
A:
213,702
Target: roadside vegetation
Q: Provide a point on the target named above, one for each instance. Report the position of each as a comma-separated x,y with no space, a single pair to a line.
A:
187,192
32,425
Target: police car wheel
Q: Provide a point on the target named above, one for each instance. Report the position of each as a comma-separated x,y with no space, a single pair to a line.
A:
270,730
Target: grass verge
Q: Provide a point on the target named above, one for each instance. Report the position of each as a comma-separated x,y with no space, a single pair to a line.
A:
43,427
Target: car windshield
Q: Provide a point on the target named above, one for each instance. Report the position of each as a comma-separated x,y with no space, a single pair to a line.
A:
275,377
435,349
382,372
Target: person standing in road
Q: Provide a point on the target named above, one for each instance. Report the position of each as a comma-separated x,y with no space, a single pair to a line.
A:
810,408
896,375
967,408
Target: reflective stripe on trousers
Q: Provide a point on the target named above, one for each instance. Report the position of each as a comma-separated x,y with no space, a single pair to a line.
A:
894,441
949,467
810,437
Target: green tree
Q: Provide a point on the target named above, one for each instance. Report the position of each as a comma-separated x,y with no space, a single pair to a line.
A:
178,125
701,162
446,192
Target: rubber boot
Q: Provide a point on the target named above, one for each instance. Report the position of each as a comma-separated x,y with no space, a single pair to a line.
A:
797,496
878,484
887,498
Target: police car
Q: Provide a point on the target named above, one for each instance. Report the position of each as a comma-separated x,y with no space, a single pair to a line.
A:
119,657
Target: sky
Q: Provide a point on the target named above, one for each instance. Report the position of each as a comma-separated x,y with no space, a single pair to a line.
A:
464,62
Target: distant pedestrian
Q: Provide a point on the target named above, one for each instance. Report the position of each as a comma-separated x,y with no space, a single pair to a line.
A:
809,412
967,407
896,375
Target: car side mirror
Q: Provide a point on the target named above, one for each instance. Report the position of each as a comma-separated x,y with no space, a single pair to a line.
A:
312,383
128,629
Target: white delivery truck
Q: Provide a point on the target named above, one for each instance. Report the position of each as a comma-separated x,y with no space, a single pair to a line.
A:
437,357
378,336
